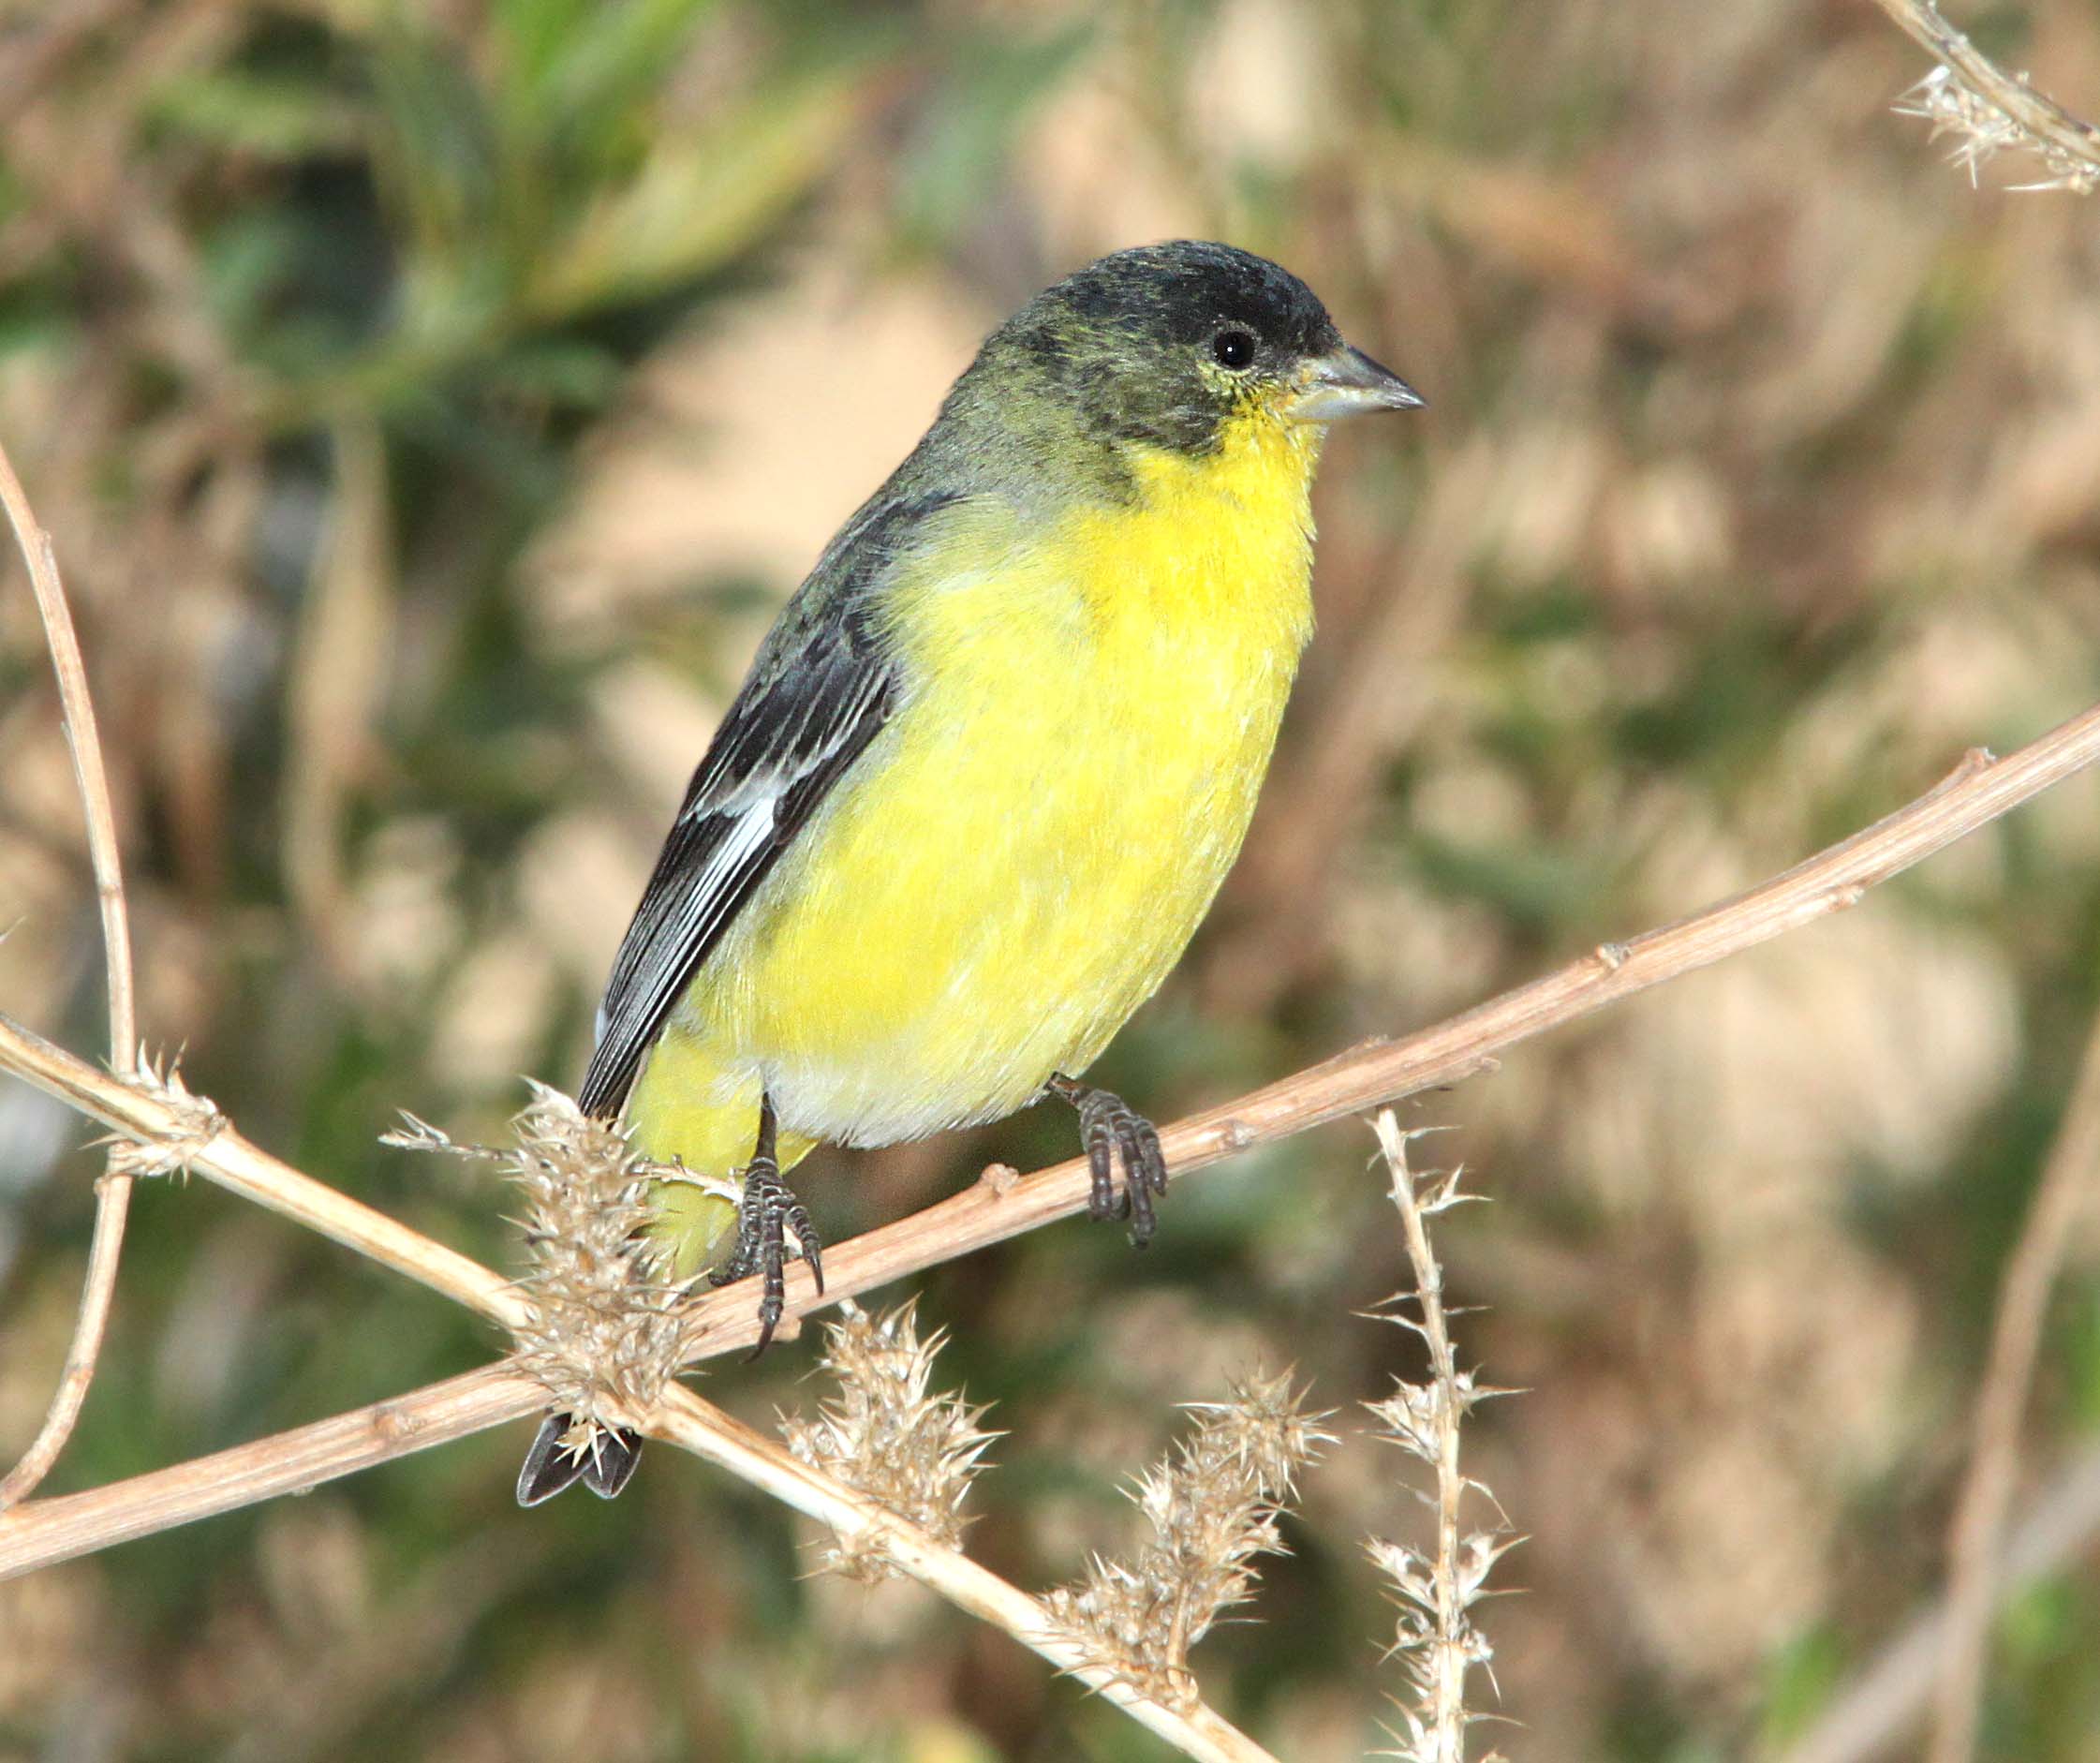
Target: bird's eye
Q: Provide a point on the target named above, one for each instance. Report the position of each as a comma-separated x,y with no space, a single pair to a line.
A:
1234,348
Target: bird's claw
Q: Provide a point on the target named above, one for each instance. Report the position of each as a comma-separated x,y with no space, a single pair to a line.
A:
1114,1134
768,1213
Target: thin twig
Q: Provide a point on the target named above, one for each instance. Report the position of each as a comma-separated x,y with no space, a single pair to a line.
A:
39,1533
2067,1185
194,1136
113,1192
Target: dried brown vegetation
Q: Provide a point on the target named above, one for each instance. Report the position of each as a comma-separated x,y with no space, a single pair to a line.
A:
887,1433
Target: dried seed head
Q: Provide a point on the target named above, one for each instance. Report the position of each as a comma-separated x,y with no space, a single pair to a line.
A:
1982,129
1211,1507
198,1121
911,1449
602,1329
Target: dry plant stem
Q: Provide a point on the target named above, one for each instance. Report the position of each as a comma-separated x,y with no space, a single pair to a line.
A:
2041,115
43,1532
1978,792
1448,1688
686,1420
112,1193
112,1208
85,741
2068,1183
222,1155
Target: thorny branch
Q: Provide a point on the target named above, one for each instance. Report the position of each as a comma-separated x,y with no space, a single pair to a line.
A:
112,1193
1436,1637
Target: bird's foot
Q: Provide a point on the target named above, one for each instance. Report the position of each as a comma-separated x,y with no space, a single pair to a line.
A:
769,1211
1114,1134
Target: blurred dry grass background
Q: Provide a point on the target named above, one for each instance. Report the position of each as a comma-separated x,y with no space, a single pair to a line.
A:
432,404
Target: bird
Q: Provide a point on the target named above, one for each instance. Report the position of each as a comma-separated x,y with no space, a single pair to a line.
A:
989,768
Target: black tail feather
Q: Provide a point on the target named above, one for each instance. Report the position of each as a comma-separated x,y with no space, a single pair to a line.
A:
611,1462
605,1465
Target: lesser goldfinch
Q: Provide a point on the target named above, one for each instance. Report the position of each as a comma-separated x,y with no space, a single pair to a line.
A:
991,764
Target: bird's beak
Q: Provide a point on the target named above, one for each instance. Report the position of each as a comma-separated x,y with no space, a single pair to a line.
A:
1347,382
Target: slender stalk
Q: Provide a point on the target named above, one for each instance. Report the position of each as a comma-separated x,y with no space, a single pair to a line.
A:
113,1192
41,1533
189,1133
49,1531
1448,1648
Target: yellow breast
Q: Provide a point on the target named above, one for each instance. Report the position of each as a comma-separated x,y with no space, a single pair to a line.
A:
1024,853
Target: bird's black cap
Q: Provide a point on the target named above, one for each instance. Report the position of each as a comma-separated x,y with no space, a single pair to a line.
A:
1188,287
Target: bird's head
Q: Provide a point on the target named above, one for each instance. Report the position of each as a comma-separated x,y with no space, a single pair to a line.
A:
1168,345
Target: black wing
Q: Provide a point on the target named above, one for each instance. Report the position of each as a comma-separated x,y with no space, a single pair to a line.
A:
784,743
819,692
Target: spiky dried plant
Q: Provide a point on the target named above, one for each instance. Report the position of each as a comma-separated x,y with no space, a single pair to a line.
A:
196,1122
1988,111
602,1329
1435,1638
889,1434
1212,1507
1981,130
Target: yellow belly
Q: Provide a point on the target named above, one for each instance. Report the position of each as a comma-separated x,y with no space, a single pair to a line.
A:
1019,858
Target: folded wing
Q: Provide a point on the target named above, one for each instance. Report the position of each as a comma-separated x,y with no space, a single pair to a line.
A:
821,691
